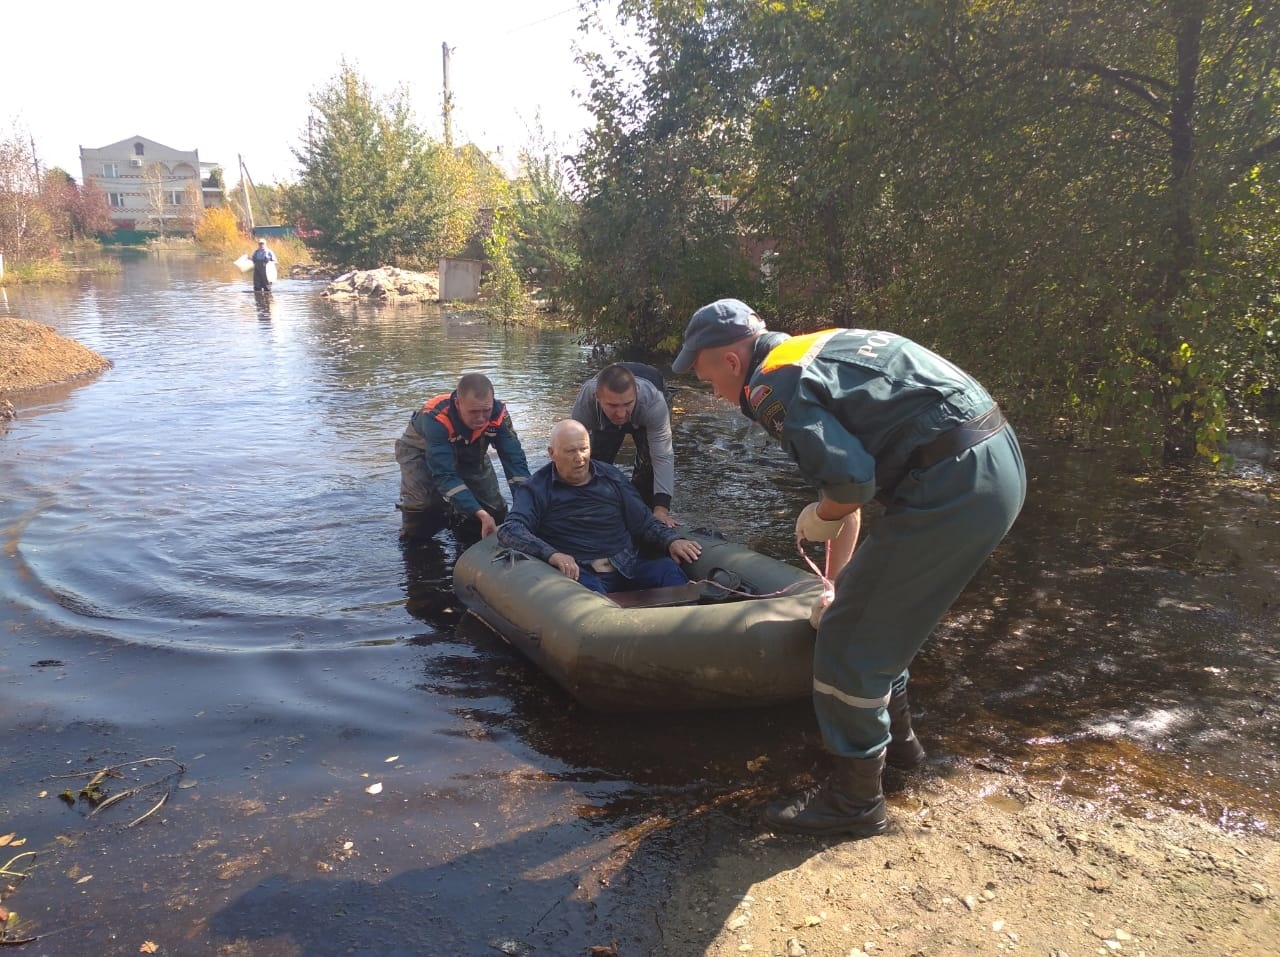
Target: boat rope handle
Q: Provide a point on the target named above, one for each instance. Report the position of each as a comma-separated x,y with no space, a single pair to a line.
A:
750,594
827,584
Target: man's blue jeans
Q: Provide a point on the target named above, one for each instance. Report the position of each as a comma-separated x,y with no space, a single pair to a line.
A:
649,573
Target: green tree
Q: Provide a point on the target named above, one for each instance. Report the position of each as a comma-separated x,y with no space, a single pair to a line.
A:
502,283
544,221
266,201
373,188
1106,162
655,238
1076,200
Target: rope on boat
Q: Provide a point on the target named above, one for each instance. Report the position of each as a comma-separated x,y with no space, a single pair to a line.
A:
749,594
828,588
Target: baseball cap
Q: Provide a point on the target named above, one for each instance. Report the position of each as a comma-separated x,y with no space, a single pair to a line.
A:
722,322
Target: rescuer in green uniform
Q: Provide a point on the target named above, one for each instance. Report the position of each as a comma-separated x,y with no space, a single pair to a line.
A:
868,414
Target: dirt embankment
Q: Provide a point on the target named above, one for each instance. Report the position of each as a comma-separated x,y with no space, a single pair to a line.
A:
982,863
32,354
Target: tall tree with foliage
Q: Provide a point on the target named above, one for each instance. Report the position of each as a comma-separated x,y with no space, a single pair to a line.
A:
655,235
373,188
1077,200
544,221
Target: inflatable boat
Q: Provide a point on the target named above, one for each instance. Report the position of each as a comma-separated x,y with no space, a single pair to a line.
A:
702,645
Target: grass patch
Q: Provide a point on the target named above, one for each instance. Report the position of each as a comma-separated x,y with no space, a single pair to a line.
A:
37,271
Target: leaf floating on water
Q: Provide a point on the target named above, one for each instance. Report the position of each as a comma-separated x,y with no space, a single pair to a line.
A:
375,788
394,757
87,877
6,838
757,764
149,947
189,783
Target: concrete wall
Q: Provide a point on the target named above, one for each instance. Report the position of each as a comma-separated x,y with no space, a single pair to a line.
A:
460,279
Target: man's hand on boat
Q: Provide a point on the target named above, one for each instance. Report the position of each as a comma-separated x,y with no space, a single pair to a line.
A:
487,525
685,550
564,564
663,514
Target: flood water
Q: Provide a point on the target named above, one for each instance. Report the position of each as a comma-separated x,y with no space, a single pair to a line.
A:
200,563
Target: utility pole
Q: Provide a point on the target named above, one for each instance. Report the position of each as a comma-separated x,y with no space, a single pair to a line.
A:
448,100
245,185
35,162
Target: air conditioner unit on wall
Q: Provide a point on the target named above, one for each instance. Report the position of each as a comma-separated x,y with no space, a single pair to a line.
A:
136,161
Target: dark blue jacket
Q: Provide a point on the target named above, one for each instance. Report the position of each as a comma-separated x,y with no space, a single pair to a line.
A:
605,518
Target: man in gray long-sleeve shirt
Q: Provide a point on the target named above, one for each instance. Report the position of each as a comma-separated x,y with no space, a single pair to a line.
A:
627,398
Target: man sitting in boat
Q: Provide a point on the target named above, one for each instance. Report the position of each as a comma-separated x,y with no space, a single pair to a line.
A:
445,470
587,521
629,398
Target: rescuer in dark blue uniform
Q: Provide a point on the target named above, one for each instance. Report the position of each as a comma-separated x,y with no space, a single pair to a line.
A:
444,458
868,414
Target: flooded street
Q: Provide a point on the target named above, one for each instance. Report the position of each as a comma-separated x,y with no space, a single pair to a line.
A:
200,562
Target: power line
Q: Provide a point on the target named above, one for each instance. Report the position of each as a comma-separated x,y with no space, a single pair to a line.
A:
534,23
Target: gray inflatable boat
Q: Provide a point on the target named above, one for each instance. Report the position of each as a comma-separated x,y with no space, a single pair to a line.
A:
664,649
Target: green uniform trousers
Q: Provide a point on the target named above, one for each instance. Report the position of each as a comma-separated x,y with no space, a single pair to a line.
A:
938,529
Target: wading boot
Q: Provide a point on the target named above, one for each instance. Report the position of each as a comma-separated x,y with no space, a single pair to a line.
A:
851,802
904,751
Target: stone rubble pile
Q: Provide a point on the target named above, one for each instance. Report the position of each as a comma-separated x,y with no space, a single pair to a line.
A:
385,282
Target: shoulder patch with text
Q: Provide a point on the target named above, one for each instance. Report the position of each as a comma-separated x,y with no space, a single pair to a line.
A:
772,416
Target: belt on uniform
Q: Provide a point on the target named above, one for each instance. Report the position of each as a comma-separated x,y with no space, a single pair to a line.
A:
955,440
601,566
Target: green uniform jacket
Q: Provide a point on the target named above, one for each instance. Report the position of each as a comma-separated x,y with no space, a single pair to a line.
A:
850,405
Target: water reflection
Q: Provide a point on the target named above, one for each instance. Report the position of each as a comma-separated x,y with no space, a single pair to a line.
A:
262,301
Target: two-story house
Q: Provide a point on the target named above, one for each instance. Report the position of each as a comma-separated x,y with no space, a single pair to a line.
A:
150,185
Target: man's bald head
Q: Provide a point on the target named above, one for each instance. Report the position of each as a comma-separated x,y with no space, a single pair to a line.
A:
570,449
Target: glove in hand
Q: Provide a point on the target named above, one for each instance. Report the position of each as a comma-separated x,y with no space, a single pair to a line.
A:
820,606
811,528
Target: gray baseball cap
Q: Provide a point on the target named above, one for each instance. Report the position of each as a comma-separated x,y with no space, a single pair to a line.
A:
721,323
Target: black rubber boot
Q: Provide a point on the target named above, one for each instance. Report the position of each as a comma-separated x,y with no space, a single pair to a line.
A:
851,802
904,751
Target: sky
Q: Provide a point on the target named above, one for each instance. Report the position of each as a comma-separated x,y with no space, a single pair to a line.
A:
236,81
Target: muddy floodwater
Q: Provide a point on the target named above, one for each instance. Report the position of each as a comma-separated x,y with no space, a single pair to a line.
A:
200,565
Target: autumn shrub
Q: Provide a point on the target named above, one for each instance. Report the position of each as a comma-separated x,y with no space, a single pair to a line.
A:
218,232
